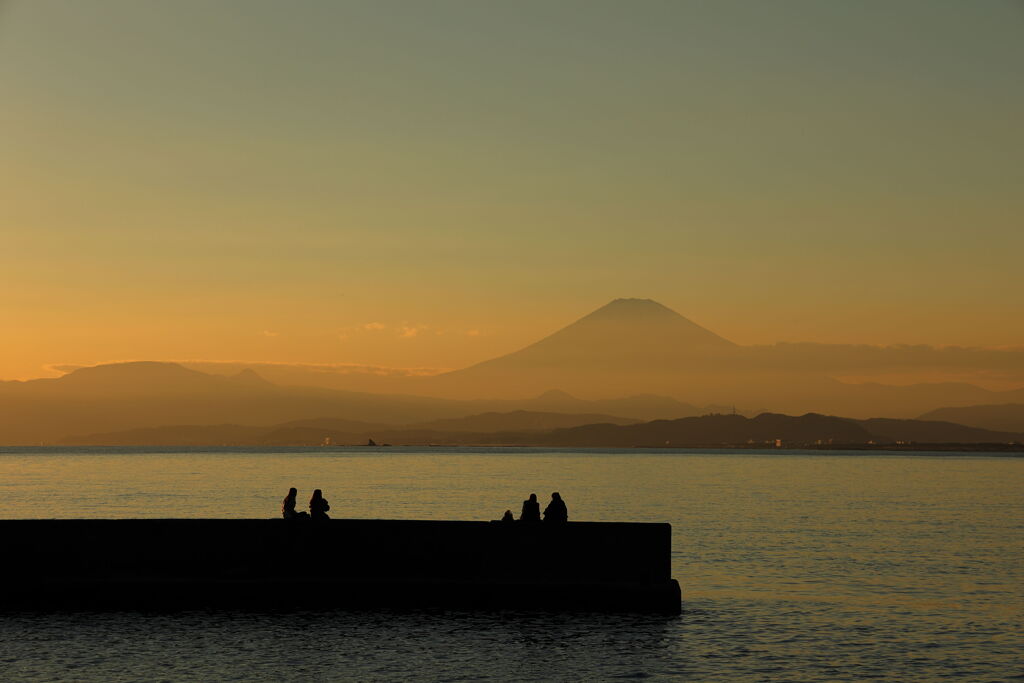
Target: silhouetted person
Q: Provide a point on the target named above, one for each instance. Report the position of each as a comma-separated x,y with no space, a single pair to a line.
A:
556,510
531,510
507,517
288,504
318,506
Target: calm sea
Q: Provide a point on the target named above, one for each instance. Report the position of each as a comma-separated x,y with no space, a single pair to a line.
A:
794,566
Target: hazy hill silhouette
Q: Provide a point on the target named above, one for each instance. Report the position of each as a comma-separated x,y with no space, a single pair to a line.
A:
711,430
518,428
1005,416
636,333
716,429
520,421
634,346
874,399
514,428
143,395
935,431
638,347
340,431
138,378
619,348
632,358
638,406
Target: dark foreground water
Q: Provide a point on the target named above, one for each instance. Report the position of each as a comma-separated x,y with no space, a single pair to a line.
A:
793,566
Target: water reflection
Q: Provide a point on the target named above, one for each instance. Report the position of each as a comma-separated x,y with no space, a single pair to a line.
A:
793,566
341,645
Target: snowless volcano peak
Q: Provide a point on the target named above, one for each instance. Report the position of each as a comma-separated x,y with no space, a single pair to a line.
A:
643,316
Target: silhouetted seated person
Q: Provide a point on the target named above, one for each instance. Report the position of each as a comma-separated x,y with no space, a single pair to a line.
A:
531,510
318,506
507,517
288,506
556,510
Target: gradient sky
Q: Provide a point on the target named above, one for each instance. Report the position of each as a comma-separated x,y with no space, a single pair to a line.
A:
435,183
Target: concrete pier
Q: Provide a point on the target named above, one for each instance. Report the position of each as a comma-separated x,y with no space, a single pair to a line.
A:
278,564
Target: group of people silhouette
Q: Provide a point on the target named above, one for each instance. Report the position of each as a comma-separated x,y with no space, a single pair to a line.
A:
554,512
318,506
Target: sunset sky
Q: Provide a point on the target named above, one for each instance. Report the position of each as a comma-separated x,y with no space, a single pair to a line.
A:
436,183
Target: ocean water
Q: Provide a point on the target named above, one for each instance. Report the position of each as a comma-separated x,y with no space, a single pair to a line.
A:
794,566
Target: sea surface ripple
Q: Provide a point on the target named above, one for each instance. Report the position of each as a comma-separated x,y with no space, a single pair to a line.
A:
794,566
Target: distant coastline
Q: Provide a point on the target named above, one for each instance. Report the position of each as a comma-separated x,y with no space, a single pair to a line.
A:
958,449
767,431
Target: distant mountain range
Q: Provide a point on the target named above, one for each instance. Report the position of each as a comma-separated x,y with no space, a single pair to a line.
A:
1006,416
635,359
317,431
552,429
638,346
767,428
142,395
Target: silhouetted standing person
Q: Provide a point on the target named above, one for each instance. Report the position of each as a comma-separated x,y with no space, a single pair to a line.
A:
288,504
531,510
556,510
318,506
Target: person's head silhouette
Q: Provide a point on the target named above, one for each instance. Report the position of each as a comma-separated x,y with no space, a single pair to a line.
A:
292,492
533,497
555,496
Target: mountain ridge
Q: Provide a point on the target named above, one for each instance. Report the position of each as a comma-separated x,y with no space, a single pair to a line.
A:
640,346
46,410
999,416
656,362
712,430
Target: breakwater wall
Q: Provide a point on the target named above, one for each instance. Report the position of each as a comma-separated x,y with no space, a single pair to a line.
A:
278,564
